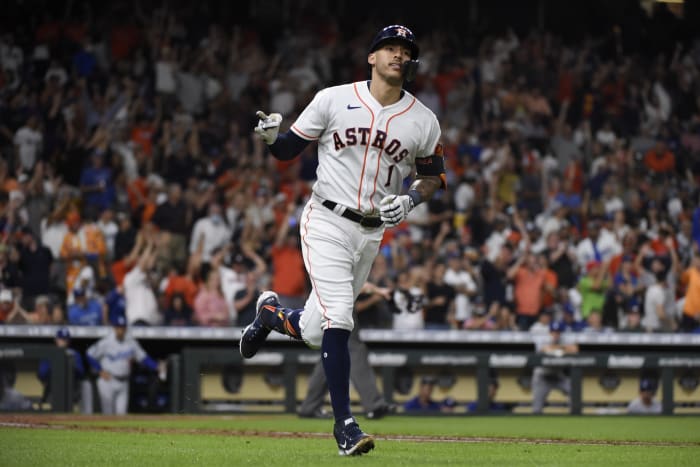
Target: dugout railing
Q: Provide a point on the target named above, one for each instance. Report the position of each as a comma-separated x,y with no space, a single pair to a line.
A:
204,358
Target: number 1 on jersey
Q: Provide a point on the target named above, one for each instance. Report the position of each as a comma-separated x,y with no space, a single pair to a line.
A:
388,177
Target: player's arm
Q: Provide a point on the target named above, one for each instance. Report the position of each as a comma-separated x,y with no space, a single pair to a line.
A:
430,177
143,358
284,146
424,187
93,355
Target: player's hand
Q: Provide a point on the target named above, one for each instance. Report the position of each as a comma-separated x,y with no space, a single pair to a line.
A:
268,126
105,375
394,209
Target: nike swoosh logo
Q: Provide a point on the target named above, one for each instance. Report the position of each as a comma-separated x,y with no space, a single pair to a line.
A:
343,445
352,107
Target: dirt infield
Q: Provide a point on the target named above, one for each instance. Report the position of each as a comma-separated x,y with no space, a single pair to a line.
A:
77,422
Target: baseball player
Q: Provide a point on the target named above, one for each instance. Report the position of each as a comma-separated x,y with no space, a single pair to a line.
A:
371,135
545,379
361,372
82,387
111,358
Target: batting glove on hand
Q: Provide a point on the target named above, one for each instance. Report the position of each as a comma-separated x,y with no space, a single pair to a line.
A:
394,209
268,126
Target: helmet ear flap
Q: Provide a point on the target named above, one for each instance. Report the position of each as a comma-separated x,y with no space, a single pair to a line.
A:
409,69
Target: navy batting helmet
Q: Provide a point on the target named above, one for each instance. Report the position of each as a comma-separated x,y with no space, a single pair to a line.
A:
396,32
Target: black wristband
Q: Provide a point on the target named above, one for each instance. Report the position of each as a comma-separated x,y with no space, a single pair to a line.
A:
415,197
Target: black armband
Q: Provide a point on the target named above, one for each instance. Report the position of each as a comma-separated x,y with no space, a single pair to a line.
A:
432,166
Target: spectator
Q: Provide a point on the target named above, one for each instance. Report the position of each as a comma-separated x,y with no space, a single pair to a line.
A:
543,323
182,282
690,321
460,276
599,245
561,259
659,306
632,322
593,286
594,323
377,311
109,229
174,217
35,262
479,319
42,311
125,238
645,403
409,299
80,245
659,160
10,310
625,293
245,300
86,311
209,233
495,279
96,183
234,272
210,308
438,308
179,313
116,303
28,142
141,303
529,284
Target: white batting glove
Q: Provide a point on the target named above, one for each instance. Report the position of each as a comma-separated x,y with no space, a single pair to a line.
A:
268,126
394,209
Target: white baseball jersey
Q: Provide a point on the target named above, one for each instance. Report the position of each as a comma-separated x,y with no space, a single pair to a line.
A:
365,150
115,356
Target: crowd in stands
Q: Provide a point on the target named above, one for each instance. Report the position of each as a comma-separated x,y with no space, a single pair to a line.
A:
131,181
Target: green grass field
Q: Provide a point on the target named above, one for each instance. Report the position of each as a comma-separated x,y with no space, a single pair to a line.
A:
285,440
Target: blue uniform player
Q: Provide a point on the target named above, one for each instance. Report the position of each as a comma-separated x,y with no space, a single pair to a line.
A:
111,357
81,386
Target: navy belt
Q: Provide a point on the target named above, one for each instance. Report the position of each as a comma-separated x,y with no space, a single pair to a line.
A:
365,221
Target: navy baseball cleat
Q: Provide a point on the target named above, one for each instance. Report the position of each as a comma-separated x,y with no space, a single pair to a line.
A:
352,441
255,333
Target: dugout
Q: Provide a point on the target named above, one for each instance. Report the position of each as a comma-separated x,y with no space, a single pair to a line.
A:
207,374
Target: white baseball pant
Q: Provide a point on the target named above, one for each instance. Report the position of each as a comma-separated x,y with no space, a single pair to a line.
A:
114,395
338,254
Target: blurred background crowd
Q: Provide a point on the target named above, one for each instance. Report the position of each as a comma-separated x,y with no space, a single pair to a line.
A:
131,183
